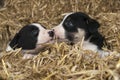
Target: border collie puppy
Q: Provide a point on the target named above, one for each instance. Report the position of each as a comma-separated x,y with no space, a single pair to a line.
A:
79,26
30,38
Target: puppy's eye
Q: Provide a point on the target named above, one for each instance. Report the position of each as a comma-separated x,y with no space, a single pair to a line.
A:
35,32
69,24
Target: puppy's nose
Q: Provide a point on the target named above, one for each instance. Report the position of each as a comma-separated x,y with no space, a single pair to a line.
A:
51,33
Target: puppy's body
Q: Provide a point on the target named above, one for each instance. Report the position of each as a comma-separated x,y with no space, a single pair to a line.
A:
76,26
30,38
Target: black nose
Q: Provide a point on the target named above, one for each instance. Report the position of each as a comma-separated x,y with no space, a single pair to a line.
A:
51,33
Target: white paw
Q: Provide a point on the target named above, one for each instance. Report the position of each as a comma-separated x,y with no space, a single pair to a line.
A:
8,48
103,53
28,56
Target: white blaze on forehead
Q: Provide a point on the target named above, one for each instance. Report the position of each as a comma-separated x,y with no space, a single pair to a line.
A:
39,26
66,15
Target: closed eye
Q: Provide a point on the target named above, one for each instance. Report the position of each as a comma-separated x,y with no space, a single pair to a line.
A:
69,24
35,32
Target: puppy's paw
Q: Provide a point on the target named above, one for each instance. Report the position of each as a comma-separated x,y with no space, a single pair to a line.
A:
28,56
8,48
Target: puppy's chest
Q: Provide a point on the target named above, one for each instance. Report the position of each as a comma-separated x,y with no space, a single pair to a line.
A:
90,46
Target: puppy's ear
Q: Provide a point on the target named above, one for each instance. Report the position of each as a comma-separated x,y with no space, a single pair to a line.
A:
13,44
92,25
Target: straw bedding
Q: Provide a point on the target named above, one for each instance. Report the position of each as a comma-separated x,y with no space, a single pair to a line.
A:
59,61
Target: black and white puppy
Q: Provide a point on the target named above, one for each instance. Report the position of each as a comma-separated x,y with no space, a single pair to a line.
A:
77,26
30,38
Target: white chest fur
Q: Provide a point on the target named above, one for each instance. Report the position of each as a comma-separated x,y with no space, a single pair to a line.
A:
90,46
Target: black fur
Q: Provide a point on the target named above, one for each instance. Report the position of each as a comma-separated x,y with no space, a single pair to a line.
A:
2,3
26,38
95,38
83,21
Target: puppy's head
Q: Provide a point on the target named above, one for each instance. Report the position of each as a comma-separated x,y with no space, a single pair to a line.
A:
75,26
30,36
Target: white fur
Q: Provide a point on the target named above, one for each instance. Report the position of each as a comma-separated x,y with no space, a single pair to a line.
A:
8,48
38,25
60,33
66,15
103,53
89,46
43,35
28,56
59,30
